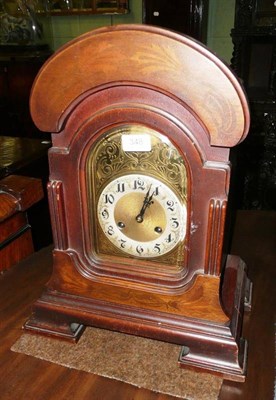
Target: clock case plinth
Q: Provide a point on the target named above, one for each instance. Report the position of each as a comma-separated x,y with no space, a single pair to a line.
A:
180,89
209,345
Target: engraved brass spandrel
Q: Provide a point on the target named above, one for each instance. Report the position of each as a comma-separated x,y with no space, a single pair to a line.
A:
163,161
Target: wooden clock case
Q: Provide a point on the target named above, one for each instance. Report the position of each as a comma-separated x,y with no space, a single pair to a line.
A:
168,82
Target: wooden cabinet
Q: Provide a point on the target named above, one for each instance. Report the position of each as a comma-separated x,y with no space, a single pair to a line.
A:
18,68
27,157
65,7
266,8
17,195
254,60
185,16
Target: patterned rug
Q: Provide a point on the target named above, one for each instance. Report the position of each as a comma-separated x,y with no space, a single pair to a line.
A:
145,363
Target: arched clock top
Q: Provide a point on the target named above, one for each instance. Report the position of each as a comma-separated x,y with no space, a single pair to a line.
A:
148,57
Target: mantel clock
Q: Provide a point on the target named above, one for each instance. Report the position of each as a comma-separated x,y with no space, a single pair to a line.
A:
142,120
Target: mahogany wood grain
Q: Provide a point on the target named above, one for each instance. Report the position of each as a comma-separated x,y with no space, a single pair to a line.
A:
23,189
17,194
20,248
24,376
168,65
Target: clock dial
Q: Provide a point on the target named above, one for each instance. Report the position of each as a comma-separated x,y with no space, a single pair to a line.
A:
137,179
141,215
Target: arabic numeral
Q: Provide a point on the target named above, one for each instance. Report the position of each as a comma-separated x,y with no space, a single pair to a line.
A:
156,191
105,214
169,238
139,184
170,205
122,243
109,198
139,249
175,223
157,248
120,187
110,230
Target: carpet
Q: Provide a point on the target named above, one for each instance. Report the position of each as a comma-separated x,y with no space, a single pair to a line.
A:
145,363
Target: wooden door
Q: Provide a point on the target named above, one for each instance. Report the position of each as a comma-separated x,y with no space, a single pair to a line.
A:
184,16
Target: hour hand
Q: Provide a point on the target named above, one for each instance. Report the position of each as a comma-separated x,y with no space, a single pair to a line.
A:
146,203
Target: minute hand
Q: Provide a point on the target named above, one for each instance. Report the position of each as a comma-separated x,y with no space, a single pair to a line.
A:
146,203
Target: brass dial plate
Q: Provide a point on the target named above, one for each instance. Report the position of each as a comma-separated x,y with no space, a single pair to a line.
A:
136,150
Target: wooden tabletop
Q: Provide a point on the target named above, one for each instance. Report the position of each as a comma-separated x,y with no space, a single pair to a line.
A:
28,377
17,153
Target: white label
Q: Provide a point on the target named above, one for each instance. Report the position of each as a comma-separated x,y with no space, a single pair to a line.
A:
136,142
156,13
